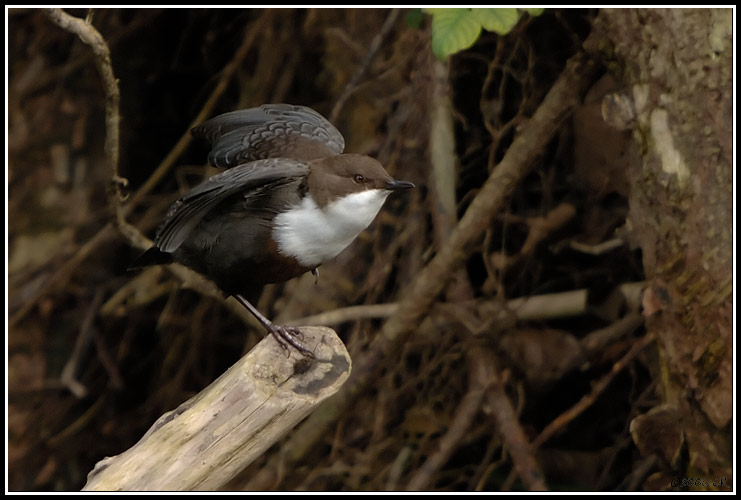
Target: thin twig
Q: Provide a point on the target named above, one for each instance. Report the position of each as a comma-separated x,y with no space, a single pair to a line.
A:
585,402
598,340
364,64
515,438
532,308
64,271
68,376
74,65
539,228
107,361
80,423
464,415
588,400
342,315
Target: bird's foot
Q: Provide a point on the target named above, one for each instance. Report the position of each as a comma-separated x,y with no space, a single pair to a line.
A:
286,337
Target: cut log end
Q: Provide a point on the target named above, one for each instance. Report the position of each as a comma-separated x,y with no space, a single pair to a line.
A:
211,437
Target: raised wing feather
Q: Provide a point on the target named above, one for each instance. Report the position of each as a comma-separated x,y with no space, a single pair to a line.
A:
269,131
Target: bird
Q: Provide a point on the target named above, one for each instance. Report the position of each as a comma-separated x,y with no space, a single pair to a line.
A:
288,201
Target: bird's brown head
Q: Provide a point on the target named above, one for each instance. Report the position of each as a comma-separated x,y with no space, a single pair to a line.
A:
338,176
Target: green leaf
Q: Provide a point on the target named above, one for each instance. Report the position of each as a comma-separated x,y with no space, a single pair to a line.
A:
535,11
415,18
453,30
500,21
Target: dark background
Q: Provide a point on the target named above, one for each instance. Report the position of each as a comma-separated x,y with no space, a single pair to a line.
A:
153,344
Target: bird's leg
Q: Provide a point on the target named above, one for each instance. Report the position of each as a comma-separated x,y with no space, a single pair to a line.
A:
285,335
315,272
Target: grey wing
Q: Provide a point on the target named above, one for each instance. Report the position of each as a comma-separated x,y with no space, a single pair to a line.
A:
270,131
185,214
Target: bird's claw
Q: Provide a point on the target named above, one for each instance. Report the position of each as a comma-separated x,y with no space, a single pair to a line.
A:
286,337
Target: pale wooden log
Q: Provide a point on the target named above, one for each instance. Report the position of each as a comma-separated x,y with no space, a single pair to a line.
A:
210,438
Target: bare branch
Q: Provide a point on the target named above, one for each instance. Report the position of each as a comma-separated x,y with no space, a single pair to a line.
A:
97,43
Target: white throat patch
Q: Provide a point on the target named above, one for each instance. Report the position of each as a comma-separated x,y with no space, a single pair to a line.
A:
314,235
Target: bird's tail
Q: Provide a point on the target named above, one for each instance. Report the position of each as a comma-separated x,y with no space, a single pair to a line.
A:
151,257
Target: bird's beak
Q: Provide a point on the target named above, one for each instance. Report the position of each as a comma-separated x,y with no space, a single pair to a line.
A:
393,185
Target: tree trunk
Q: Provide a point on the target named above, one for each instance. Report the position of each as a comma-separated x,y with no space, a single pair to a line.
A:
677,68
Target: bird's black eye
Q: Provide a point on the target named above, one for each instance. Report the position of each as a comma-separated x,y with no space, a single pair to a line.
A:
359,178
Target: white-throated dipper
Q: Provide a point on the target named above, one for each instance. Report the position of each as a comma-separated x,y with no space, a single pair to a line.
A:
289,201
